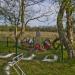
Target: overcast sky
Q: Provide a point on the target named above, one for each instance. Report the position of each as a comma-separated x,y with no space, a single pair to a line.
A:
47,6
50,20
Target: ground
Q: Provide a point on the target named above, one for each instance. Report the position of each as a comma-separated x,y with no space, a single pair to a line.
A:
2,64
36,66
45,68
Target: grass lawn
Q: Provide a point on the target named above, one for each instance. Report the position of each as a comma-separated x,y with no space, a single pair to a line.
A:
37,67
2,65
33,67
45,68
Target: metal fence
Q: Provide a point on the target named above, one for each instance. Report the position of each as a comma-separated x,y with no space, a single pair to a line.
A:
6,44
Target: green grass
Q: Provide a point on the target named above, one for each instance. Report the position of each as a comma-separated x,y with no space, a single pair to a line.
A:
2,65
45,68
37,67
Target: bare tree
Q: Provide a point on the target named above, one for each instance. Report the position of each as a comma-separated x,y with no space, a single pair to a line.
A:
21,13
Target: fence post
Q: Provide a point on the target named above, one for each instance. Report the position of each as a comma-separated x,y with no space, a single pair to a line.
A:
7,41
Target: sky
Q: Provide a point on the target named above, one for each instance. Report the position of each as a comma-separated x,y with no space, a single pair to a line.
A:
45,7
53,8
48,6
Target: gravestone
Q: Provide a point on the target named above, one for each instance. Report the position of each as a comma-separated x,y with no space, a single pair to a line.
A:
37,37
38,34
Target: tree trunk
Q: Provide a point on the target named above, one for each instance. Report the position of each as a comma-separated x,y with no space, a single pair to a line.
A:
63,39
21,14
69,22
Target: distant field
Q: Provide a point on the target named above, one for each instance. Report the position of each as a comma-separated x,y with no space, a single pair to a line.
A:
10,35
51,35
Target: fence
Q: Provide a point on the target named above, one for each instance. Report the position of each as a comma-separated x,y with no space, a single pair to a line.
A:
6,44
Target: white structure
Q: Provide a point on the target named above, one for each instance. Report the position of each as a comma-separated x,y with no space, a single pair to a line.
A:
7,56
55,58
30,57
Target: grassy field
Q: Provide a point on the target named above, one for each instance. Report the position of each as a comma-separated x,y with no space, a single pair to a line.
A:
11,42
51,35
36,67
41,68
3,62
45,68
